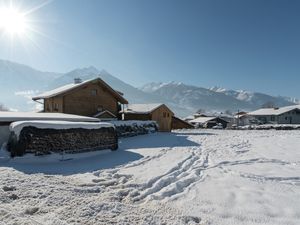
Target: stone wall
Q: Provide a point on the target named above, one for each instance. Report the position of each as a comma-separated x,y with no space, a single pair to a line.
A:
4,134
134,128
44,141
268,127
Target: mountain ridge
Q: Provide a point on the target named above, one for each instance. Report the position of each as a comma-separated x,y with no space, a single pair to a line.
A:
21,82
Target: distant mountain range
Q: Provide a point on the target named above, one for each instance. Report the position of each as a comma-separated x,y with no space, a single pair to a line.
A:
20,82
214,99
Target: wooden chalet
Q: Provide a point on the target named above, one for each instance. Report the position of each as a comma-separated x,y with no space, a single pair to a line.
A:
157,112
93,98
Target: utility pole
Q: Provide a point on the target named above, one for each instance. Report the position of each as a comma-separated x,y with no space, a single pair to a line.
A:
238,118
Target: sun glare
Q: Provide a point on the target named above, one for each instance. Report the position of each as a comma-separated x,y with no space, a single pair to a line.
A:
12,21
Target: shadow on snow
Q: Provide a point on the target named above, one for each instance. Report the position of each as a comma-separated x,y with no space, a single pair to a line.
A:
92,161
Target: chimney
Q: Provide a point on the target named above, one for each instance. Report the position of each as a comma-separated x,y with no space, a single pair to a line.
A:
77,80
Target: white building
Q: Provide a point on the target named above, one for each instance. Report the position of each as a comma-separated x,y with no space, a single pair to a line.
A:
283,115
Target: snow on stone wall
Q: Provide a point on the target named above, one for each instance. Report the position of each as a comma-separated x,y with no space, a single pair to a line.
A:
270,127
131,128
4,134
72,140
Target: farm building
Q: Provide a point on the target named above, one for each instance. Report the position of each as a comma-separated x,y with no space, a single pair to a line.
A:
93,98
283,115
208,122
157,112
178,123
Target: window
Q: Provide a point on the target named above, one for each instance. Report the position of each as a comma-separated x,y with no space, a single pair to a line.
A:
94,92
164,114
272,118
168,114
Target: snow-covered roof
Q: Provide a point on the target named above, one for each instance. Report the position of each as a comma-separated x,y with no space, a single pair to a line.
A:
72,86
19,116
141,108
17,127
189,118
273,111
202,119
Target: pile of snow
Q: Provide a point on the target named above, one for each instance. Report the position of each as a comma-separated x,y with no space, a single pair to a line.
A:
17,127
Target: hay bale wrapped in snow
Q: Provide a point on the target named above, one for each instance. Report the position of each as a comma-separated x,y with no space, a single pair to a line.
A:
44,137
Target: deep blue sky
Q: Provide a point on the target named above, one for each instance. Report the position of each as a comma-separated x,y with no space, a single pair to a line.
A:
240,44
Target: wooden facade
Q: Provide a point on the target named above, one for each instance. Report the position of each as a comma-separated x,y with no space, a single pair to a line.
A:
178,123
85,99
162,115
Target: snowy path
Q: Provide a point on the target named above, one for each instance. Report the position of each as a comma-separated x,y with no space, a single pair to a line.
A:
187,177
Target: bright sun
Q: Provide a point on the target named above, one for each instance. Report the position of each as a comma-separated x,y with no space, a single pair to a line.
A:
12,21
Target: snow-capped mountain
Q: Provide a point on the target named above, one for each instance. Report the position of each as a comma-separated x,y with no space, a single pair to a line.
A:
194,98
132,94
213,99
255,98
20,82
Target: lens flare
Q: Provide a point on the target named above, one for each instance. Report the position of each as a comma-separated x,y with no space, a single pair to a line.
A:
12,21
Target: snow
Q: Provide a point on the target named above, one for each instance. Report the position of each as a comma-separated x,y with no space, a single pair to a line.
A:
185,177
271,126
203,119
72,86
19,116
131,122
17,127
274,111
60,90
141,108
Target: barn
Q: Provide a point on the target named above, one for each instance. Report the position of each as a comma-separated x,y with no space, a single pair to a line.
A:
93,98
157,112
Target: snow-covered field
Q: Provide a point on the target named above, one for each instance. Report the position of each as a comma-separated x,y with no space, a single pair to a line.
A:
185,177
